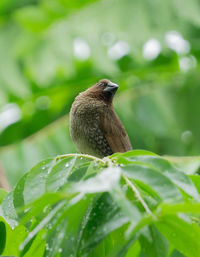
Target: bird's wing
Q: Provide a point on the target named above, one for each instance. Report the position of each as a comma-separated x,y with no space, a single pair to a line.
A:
114,132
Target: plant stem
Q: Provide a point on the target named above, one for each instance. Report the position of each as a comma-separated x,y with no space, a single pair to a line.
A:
80,155
110,164
135,190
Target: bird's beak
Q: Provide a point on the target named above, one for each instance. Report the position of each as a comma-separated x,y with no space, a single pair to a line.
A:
111,87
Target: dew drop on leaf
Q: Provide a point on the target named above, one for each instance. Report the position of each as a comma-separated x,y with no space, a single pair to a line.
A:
45,209
27,209
49,226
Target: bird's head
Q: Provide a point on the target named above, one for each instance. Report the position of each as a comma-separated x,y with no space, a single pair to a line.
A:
103,90
107,86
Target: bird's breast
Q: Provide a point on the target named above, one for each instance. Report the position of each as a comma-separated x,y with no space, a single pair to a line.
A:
85,130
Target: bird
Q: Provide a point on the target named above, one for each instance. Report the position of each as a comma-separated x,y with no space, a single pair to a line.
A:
95,128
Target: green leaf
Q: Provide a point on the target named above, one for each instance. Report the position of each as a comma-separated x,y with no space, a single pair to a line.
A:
13,239
34,185
81,207
59,174
155,244
37,247
41,225
3,193
56,239
182,235
2,237
152,177
170,171
102,182
104,216
134,153
8,210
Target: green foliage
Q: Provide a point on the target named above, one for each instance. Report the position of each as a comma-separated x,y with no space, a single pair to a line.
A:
131,204
136,204
40,73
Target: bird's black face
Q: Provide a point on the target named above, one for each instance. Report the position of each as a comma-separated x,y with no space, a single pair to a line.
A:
107,86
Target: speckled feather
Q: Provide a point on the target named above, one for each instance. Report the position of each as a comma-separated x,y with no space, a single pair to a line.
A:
94,126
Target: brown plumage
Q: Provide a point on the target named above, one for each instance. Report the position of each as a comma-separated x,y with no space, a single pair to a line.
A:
95,128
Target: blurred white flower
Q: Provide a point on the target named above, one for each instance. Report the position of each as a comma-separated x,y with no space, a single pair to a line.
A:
151,49
187,63
176,42
118,50
81,49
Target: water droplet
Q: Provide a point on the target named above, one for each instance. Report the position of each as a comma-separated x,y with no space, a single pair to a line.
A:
67,165
26,210
187,137
45,209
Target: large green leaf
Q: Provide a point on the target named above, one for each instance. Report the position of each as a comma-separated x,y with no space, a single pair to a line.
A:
123,205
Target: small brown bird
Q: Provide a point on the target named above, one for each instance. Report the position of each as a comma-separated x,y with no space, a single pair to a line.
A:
95,128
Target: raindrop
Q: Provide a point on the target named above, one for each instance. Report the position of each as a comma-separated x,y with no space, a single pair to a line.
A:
120,165
45,209
60,250
26,210
187,137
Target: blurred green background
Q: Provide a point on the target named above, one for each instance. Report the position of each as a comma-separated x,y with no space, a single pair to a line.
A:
50,50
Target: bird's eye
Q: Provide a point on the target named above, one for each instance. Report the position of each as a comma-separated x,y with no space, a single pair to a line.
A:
102,84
